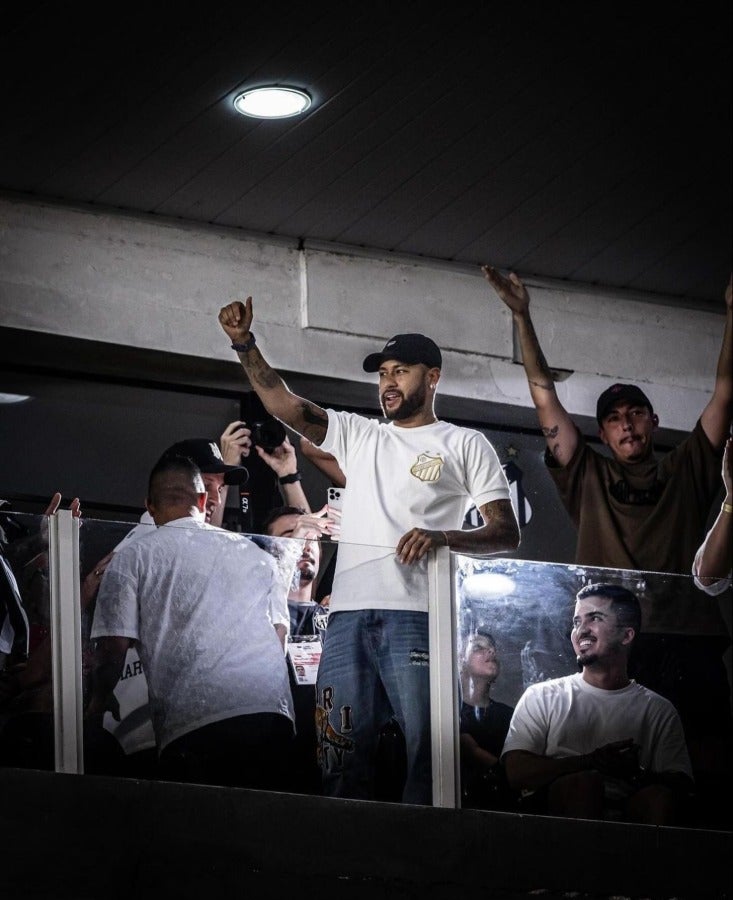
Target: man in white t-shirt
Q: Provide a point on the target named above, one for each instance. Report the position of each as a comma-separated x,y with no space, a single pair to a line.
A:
410,482
597,744
198,601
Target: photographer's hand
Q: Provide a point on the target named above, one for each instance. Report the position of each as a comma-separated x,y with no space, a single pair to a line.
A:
282,460
236,442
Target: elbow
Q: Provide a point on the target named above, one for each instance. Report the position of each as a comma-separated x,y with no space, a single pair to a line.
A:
513,539
516,539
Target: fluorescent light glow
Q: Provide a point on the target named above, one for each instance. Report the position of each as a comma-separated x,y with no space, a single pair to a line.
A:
13,398
272,102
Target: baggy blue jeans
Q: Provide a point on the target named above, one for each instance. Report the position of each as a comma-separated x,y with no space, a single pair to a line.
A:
374,665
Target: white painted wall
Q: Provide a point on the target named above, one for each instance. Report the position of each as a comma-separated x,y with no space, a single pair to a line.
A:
158,285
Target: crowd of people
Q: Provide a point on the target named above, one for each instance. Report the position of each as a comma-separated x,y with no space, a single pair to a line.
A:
210,659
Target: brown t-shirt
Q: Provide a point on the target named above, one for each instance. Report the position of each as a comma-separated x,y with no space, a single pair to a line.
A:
649,516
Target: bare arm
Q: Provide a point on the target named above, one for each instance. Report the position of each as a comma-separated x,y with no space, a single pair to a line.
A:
716,417
557,426
301,415
236,444
109,658
498,534
284,462
526,770
476,754
716,558
323,461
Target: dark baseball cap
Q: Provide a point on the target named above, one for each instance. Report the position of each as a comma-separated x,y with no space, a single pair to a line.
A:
409,349
620,393
207,456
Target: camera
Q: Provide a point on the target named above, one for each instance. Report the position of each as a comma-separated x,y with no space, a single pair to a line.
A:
268,434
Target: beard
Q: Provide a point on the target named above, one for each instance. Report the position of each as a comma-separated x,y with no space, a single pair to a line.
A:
411,404
304,573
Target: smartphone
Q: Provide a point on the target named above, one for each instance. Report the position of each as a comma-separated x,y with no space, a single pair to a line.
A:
334,497
334,501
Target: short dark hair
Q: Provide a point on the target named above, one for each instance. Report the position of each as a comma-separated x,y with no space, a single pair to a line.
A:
158,491
624,603
278,512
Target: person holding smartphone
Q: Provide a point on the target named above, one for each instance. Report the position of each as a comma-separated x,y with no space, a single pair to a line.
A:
410,482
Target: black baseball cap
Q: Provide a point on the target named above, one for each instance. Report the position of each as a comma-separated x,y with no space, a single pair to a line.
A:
207,456
620,393
409,349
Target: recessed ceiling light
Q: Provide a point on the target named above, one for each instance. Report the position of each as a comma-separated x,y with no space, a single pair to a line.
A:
272,102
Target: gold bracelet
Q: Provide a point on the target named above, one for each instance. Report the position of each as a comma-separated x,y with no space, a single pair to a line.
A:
727,507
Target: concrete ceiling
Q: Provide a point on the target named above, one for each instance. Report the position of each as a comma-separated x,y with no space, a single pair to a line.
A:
582,141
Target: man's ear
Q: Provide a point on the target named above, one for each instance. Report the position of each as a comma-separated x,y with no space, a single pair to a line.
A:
602,435
149,506
629,634
655,420
201,501
434,377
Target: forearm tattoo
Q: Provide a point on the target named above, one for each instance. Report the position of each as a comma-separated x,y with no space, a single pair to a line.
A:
551,432
315,422
547,383
258,370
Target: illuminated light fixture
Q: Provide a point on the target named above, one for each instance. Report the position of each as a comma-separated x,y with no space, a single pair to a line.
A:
272,102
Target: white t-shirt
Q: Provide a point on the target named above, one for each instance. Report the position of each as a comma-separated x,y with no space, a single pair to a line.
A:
197,600
134,729
397,479
569,717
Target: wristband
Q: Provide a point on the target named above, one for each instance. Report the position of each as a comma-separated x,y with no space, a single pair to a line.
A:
727,507
289,479
246,346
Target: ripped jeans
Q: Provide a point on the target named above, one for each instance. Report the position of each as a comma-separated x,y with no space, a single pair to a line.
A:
374,666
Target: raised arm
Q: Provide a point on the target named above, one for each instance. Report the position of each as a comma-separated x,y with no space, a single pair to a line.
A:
714,559
308,419
284,463
716,417
557,426
236,444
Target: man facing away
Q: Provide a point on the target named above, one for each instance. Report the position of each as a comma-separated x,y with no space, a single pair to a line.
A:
197,600
596,744
410,482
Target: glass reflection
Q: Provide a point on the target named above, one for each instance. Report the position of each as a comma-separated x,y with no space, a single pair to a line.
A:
527,608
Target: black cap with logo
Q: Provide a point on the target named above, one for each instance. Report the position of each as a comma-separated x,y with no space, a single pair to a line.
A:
207,456
409,349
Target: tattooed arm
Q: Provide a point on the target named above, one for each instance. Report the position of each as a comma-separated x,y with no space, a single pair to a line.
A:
308,419
498,534
557,426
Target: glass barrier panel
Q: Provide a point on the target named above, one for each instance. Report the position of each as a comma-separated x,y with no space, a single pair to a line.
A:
117,740
26,687
206,671
514,626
